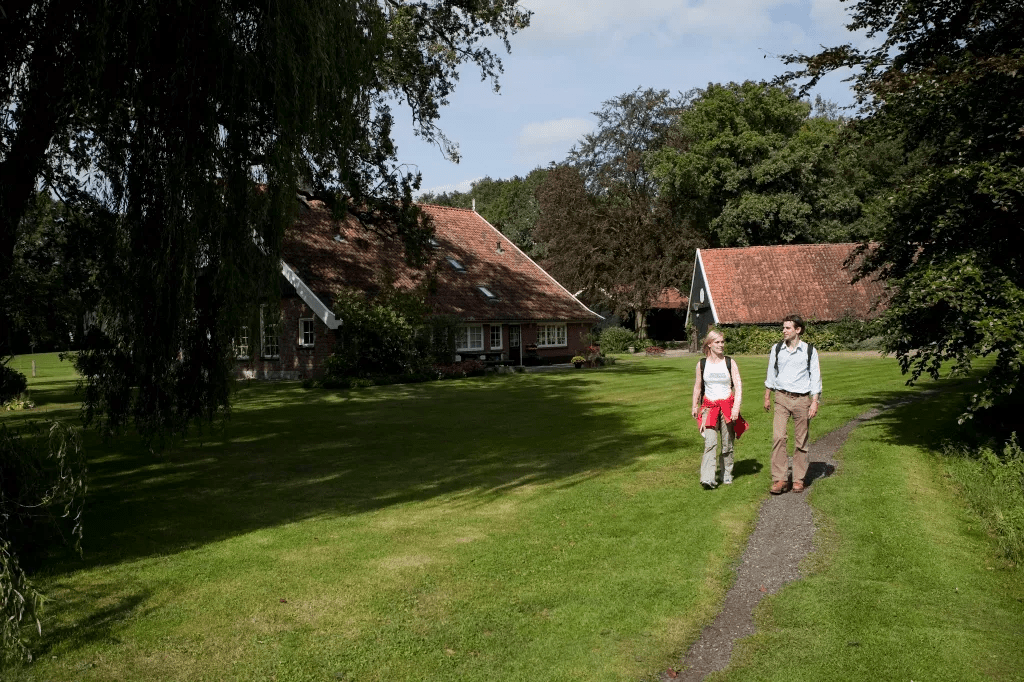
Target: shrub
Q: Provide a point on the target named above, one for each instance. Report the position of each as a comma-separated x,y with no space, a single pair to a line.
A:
617,339
845,334
994,485
12,382
750,339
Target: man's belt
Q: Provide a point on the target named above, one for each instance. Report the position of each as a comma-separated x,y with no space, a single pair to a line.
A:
793,395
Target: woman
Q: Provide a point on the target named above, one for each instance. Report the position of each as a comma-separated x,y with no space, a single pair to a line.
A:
717,395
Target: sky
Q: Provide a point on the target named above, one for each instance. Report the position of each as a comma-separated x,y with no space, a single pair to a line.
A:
577,54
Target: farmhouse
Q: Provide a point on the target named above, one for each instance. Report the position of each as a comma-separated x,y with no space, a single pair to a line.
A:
512,309
763,284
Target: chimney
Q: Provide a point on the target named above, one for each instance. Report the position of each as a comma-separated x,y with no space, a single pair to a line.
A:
474,205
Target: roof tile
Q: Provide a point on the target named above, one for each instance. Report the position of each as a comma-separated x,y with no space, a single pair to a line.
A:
523,291
763,284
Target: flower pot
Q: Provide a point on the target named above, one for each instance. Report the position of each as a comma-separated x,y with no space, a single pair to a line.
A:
578,365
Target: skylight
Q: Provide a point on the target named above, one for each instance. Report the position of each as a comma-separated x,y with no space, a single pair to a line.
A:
488,293
456,265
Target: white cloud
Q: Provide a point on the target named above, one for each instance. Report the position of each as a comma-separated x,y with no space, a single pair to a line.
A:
735,19
546,141
463,187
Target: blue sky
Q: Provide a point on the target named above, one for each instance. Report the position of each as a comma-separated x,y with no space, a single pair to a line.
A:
578,53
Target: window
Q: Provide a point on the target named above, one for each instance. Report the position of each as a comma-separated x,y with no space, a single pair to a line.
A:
488,293
269,347
470,338
307,337
456,265
241,343
551,335
495,336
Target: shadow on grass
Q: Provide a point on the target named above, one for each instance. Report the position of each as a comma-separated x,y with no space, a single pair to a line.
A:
98,626
746,467
289,454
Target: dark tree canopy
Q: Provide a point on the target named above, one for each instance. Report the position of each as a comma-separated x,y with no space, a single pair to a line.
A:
608,230
946,85
192,123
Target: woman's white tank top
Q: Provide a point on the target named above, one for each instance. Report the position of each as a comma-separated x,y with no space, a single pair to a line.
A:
717,385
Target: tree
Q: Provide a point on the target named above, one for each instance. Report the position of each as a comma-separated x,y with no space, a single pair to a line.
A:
510,205
946,85
753,166
56,259
608,229
192,123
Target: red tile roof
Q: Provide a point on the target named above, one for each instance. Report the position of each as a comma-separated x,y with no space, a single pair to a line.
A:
763,284
522,289
670,297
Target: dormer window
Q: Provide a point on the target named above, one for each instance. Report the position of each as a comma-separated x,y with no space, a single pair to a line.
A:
456,265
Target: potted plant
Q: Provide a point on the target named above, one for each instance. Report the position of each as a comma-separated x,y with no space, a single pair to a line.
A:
578,361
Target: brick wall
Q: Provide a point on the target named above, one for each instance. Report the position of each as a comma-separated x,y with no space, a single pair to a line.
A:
294,361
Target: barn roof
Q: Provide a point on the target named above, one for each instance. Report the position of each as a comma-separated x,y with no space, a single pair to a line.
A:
763,284
480,274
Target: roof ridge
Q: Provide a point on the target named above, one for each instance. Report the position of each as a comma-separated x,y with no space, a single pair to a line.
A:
778,246
450,208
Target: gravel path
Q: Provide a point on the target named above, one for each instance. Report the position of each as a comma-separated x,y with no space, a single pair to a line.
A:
784,535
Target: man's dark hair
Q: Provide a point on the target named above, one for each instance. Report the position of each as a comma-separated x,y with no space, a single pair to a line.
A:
796,320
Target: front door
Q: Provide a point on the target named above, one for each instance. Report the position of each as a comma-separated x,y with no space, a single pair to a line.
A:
515,346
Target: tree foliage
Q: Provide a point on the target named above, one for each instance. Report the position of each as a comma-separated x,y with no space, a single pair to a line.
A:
57,257
753,164
42,494
946,84
608,229
191,123
509,205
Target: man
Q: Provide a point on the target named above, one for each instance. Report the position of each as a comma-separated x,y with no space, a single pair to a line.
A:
795,378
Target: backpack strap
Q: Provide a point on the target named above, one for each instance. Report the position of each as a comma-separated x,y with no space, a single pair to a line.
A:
778,347
728,368
703,364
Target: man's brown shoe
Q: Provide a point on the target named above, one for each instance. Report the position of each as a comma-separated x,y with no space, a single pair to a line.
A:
798,486
779,487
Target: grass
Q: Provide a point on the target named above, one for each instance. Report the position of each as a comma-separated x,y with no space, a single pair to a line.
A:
521,527
906,584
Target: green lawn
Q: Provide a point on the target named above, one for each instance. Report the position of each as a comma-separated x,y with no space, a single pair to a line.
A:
519,527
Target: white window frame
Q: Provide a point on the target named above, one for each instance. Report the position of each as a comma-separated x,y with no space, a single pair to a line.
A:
496,329
551,336
307,339
269,342
466,340
241,343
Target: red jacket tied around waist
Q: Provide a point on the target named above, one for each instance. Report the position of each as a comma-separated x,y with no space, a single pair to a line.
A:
710,410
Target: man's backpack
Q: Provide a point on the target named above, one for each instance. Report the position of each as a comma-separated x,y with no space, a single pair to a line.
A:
778,347
728,368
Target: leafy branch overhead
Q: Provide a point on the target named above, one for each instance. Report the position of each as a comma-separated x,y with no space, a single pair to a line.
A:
191,124
947,86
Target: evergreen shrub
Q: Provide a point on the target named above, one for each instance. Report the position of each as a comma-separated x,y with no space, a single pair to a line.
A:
617,339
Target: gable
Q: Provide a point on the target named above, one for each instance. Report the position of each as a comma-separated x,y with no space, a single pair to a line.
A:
763,284
480,275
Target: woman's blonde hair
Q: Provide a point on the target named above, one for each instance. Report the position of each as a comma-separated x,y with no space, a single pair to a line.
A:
712,335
